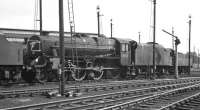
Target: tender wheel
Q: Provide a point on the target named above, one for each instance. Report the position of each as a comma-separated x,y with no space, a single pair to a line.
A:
78,75
17,76
112,74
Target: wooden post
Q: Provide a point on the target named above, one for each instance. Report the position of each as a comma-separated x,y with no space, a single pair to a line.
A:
154,35
40,17
189,65
98,20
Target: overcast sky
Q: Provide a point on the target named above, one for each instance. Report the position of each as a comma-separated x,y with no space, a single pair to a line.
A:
129,18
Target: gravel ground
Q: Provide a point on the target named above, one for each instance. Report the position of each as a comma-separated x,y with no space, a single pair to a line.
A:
19,101
13,102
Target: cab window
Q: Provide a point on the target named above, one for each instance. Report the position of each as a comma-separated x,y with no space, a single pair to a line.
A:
35,45
124,47
127,47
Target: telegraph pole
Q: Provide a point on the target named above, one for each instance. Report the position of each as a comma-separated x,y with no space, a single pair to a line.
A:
111,26
193,59
154,34
98,20
40,17
198,59
139,37
189,65
62,52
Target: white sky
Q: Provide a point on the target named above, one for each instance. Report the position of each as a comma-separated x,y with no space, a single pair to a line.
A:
129,17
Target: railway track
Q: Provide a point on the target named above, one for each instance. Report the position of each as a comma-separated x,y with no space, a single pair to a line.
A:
18,84
92,88
188,103
105,100
170,100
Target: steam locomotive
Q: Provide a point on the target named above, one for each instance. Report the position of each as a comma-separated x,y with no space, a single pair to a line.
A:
36,57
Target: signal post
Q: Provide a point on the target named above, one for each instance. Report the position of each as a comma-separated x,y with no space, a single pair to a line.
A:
177,42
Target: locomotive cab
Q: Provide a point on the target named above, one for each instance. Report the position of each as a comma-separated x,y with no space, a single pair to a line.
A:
126,50
35,61
34,45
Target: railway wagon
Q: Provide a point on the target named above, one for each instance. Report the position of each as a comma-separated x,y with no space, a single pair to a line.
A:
11,59
86,57
183,63
144,59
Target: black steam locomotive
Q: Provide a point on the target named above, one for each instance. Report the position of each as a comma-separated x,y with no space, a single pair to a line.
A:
86,57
